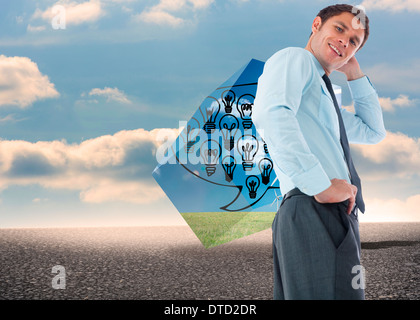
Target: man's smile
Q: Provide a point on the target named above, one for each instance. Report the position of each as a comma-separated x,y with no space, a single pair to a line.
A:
335,49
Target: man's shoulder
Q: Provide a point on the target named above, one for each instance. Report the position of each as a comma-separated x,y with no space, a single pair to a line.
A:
299,55
294,52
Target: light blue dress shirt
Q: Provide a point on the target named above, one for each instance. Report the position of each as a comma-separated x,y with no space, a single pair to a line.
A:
295,115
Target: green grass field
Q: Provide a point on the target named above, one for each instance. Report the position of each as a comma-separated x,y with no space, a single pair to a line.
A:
215,228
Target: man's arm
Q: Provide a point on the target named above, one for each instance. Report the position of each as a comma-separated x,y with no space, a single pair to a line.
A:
280,88
366,125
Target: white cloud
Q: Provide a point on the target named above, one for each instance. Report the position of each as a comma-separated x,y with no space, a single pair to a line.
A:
397,156
132,192
170,5
19,19
31,28
402,101
392,210
111,94
119,1
396,77
9,118
390,105
160,18
392,5
90,11
201,4
108,168
22,83
163,12
75,13
390,171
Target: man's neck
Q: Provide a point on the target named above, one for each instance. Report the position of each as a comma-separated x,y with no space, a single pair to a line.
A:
309,48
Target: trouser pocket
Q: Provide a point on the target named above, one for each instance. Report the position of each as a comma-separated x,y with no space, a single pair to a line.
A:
335,224
349,281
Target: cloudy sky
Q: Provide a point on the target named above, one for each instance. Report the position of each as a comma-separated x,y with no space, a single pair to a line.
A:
82,102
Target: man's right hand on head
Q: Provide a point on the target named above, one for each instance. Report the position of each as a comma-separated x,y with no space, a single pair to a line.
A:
339,191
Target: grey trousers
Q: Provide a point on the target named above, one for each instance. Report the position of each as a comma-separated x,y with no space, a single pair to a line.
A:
315,249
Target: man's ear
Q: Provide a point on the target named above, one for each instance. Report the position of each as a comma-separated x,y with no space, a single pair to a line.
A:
316,24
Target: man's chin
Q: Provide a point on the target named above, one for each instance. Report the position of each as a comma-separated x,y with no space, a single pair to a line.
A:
337,66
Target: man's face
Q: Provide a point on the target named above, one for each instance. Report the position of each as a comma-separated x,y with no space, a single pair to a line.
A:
335,42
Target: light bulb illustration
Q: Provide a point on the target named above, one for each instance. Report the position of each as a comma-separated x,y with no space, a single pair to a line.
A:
229,126
244,106
247,146
252,183
266,166
229,164
228,99
210,109
190,134
210,154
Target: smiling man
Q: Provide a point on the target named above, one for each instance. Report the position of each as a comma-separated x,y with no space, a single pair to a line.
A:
316,244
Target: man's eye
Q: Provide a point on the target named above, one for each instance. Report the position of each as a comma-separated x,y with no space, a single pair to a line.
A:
339,29
353,43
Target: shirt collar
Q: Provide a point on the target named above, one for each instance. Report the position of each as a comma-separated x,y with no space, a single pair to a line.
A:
317,64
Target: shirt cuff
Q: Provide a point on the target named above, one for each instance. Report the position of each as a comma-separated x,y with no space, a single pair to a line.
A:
361,87
312,181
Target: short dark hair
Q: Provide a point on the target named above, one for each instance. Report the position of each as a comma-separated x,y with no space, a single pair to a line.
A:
337,9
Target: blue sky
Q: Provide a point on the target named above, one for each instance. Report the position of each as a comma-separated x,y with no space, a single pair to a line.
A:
81,107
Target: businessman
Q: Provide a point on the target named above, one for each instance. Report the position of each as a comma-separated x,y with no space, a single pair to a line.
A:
316,244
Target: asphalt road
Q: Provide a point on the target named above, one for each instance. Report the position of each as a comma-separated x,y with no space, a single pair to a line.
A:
171,263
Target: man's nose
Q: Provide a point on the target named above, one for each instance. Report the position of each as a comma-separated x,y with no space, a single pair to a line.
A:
344,42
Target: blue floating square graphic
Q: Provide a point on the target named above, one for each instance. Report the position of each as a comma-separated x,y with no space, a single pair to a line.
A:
219,173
